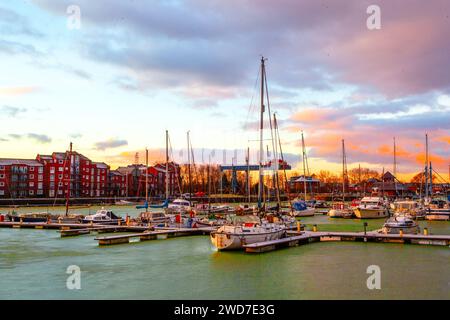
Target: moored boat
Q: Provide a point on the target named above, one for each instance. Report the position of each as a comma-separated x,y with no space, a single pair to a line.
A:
409,208
340,210
300,209
245,230
371,208
398,224
103,216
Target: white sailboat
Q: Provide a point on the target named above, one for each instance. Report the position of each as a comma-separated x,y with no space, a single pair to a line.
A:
341,209
303,208
250,228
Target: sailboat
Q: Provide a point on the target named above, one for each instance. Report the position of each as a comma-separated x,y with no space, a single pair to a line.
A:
340,209
303,208
436,209
250,228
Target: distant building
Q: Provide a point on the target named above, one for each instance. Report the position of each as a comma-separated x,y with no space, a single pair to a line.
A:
297,184
388,185
21,178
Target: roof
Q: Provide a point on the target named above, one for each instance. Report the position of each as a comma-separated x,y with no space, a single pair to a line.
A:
28,162
303,179
116,173
100,165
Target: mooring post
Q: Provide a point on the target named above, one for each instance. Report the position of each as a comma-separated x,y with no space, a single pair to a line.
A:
425,231
298,226
365,228
315,228
401,232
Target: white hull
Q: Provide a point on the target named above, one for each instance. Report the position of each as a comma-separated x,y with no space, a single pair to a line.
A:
366,213
227,241
336,213
309,212
396,230
437,217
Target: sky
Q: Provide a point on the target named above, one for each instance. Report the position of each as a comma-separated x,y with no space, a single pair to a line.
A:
134,69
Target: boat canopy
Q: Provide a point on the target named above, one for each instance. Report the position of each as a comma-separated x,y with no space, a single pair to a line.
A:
299,205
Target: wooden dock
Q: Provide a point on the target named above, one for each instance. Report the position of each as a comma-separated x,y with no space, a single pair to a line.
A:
159,233
296,239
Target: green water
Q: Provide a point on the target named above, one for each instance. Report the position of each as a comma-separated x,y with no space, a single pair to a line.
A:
33,265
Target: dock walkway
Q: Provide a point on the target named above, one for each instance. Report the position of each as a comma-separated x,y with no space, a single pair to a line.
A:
296,238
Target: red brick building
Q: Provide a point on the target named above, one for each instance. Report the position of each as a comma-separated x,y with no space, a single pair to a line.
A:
135,177
21,178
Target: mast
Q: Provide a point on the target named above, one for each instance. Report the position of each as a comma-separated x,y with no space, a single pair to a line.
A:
304,165
247,160
189,166
69,181
277,180
382,183
426,166
261,136
395,168
167,165
343,170
146,177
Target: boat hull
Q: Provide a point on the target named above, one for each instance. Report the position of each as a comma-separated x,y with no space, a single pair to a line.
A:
309,212
362,213
226,241
334,213
396,230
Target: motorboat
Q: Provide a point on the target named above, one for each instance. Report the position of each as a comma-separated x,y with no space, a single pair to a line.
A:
103,216
400,223
246,230
371,208
29,217
340,210
409,208
205,208
154,218
300,209
179,205
438,210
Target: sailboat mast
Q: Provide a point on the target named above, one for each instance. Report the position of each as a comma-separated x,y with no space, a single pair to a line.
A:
146,176
69,180
189,166
426,165
277,180
343,171
395,168
304,165
261,136
167,165
247,160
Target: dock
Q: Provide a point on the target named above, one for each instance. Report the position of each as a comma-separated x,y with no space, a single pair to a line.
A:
306,237
158,233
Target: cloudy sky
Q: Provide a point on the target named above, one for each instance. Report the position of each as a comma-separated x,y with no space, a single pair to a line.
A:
136,68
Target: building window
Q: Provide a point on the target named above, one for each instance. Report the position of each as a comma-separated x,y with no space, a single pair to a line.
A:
31,192
2,192
60,169
61,162
2,168
31,176
2,184
40,177
40,185
2,176
52,169
41,170
31,184
31,168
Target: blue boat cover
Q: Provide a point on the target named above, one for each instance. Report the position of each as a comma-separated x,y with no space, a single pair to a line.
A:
299,205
